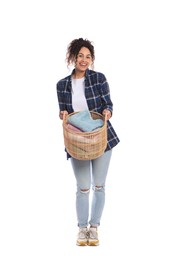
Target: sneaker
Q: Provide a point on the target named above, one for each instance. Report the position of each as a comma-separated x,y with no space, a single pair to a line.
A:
82,238
93,237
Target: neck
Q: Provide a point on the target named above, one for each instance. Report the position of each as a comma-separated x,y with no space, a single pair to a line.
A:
79,74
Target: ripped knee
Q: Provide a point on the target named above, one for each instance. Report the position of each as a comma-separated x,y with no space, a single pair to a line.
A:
84,190
97,188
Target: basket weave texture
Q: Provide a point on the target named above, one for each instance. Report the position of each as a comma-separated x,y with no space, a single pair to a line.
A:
85,145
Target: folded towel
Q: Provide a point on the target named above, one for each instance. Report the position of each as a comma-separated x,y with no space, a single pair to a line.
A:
73,128
84,121
83,141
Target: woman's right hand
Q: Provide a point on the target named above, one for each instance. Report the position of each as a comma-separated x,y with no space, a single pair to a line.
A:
61,113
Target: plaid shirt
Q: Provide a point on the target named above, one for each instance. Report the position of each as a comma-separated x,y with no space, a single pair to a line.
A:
97,95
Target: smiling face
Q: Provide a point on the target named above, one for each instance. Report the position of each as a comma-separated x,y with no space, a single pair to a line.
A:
83,60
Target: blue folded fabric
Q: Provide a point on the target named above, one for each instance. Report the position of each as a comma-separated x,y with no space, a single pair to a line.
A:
84,121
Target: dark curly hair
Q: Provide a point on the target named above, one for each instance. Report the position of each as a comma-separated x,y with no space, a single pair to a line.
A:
74,48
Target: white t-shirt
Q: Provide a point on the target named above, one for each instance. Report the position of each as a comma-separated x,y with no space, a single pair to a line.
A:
79,102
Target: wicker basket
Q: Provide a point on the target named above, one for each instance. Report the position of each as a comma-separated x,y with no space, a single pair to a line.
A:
85,145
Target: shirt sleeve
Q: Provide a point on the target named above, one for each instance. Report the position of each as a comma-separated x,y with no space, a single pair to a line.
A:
105,94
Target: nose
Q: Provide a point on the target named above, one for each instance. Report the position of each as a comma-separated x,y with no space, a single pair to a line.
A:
83,58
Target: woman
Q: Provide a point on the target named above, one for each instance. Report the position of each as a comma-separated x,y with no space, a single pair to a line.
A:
87,89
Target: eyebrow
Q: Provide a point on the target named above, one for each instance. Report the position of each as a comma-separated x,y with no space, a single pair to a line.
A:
83,54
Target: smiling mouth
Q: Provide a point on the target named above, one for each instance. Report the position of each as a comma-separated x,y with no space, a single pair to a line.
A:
83,64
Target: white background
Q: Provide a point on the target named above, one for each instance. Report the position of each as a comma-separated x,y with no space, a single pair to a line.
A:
133,42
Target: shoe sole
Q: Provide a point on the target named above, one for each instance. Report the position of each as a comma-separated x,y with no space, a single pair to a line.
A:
93,243
81,243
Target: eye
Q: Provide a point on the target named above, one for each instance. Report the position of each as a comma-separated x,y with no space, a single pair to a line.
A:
80,56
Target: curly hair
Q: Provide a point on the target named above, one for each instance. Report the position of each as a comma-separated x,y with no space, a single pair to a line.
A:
74,48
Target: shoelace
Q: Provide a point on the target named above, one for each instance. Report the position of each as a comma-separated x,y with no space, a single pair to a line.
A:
83,233
92,234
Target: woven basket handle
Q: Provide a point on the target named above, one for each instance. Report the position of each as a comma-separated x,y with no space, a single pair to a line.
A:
64,116
105,117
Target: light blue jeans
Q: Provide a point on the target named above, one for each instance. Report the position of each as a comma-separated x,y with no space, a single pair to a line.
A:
90,173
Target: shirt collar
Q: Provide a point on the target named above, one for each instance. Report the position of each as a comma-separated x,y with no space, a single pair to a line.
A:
86,72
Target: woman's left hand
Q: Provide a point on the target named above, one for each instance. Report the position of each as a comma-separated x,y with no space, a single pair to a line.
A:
107,113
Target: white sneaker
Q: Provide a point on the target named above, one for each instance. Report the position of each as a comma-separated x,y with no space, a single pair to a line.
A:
93,237
82,238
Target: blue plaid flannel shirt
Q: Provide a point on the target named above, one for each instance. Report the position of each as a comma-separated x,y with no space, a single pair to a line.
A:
98,98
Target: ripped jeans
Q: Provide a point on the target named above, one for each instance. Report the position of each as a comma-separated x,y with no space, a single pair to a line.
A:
90,173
